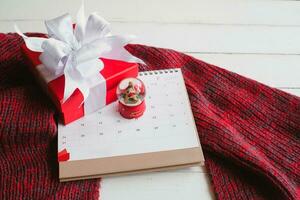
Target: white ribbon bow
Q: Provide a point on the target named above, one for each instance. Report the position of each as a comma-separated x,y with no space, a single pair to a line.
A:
76,52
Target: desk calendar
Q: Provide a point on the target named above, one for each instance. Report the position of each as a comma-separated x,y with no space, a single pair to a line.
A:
104,143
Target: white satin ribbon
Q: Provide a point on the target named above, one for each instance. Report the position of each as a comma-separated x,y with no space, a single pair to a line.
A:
76,52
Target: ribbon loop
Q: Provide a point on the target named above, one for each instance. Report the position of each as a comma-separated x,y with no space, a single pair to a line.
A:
61,29
52,57
96,28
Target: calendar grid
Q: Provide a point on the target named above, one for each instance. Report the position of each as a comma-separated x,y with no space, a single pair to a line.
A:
167,123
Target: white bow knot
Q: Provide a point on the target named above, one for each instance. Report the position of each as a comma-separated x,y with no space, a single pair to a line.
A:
75,52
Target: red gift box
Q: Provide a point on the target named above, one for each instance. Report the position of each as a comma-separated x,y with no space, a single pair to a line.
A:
73,108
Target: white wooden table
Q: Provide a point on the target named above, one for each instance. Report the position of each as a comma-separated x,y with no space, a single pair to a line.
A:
257,39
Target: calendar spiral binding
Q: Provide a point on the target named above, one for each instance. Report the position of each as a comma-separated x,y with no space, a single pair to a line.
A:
156,72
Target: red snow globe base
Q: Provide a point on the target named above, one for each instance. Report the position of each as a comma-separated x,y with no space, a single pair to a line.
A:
131,94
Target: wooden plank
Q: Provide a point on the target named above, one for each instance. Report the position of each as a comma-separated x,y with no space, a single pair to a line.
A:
216,38
174,185
174,11
273,70
201,38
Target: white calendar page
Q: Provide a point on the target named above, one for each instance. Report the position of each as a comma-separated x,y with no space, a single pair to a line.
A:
167,123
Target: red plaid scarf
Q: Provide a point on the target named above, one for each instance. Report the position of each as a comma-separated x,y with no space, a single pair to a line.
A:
250,133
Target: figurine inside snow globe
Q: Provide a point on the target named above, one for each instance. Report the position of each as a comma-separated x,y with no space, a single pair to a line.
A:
131,94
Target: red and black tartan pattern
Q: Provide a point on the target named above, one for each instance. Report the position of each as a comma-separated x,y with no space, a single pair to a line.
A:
249,132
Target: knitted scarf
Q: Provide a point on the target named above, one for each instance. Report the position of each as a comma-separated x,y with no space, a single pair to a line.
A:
250,132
